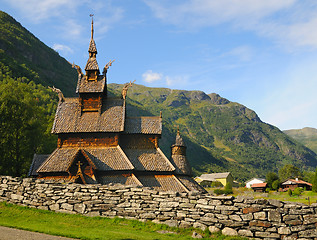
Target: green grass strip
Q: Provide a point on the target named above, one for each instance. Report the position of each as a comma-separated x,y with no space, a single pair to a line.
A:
82,227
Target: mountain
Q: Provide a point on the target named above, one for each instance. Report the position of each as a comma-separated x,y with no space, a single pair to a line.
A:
220,135
24,55
306,136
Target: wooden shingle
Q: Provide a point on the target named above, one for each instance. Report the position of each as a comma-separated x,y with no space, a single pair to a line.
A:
144,125
85,86
149,160
69,119
127,179
162,183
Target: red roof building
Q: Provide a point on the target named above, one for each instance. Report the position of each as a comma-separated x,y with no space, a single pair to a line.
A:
99,143
294,183
259,187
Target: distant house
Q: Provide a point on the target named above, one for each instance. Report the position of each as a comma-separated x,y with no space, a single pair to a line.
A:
252,181
294,183
259,187
207,179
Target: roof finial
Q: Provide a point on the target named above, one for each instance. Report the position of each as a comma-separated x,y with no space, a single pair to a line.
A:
178,129
92,25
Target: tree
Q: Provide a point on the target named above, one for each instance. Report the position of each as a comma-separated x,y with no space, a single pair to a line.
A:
23,126
289,171
276,184
270,178
228,188
314,188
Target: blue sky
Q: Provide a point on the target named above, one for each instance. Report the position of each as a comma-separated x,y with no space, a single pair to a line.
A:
262,54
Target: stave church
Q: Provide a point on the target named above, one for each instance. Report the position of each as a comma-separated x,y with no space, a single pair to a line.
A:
99,144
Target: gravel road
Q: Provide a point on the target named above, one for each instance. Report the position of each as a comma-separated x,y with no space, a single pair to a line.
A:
17,234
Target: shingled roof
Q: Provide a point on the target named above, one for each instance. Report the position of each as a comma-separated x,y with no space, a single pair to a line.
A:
69,119
59,160
92,45
103,159
83,86
92,64
38,160
149,160
214,176
162,183
111,158
127,179
190,184
144,125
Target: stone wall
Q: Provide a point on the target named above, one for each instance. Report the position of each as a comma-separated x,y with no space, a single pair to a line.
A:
259,219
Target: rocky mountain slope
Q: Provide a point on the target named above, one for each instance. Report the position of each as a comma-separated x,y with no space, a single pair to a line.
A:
220,135
306,136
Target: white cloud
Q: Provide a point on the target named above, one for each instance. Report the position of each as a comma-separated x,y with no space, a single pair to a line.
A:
70,29
67,12
288,22
150,76
62,48
44,9
176,80
198,13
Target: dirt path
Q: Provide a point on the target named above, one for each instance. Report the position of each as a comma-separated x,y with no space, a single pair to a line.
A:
17,234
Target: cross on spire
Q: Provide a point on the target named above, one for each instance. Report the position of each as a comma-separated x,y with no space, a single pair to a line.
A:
92,25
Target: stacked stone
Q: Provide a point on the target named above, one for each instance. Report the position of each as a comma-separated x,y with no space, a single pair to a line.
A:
259,219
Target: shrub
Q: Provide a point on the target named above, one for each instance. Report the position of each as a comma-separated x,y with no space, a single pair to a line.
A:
216,184
298,191
289,192
228,188
219,191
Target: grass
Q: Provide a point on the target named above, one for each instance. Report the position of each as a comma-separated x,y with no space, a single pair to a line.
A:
281,196
82,227
303,198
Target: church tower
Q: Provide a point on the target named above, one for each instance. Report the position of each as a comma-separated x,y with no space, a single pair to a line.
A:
99,143
178,156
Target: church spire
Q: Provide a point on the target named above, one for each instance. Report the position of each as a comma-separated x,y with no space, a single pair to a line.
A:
92,26
179,140
92,68
92,45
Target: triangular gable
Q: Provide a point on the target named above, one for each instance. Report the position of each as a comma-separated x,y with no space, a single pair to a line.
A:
85,155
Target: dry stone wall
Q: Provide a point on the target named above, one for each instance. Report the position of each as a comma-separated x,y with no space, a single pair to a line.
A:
259,219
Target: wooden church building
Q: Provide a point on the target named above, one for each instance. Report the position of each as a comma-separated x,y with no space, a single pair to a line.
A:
99,143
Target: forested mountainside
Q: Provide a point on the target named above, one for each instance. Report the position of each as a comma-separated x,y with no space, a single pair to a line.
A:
306,136
220,135
22,55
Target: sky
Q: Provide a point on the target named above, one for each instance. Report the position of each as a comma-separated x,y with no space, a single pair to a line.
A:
262,54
